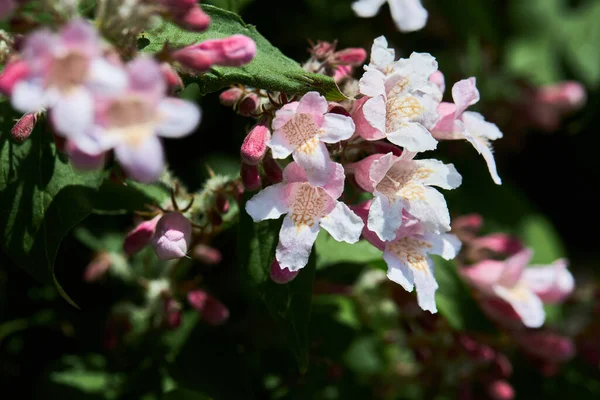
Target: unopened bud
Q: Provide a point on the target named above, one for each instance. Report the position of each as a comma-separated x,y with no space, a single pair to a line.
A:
195,20
24,126
501,390
254,146
83,161
341,72
172,311
249,104
206,254
250,177
233,51
171,76
231,97
97,268
272,169
281,275
222,203
13,72
337,108
172,236
140,236
354,56
213,311
322,49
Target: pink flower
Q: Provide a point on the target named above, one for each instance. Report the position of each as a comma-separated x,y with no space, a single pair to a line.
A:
401,183
83,161
302,129
66,70
400,102
525,289
233,51
308,208
456,123
408,15
407,256
213,311
548,104
12,73
132,122
172,236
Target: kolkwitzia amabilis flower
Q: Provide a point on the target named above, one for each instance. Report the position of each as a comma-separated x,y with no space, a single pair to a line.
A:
407,256
302,128
66,70
400,102
402,183
409,15
132,122
172,236
308,208
456,123
525,289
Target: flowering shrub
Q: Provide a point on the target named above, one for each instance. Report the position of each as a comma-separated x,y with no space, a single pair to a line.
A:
286,271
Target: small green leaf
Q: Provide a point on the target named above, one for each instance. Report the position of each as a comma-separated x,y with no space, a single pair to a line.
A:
270,69
539,234
332,252
289,304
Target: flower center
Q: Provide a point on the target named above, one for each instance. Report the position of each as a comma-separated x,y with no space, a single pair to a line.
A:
132,117
308,204
400,110
411,251
68,71
300,129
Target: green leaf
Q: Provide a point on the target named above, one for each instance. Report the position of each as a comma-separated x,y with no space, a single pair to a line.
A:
230,5
185,394
455,302
539,234
289,304
332,252
270,69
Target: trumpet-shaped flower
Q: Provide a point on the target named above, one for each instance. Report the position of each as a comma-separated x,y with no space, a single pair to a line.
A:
409,15
407,256
131,123
302,128
65,71
402,183
525,289
457,123
308,208
400,101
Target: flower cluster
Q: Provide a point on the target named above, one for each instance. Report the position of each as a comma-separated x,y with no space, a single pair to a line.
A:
374,140
99,103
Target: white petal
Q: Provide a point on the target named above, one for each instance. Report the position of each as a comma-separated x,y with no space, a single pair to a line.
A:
336,128
73,114
381,55
177,117
279,145
313,156
409,15
384,217
372,83
477,125
445,244
380,168
398,271
413,137
335,184
525,303
374,111
144,161
436,173
269,203
417,69
105,78
552,283
28,96
464,94
342,224
295,244
367,8
426,287
432,210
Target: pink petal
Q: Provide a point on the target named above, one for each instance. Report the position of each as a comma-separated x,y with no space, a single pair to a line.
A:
362,172
376,111
552,283
312,103
465,94
313,156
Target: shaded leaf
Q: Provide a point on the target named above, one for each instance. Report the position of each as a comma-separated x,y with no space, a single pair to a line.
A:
332,252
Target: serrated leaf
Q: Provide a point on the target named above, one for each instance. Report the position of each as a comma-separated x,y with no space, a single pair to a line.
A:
270,69
289,304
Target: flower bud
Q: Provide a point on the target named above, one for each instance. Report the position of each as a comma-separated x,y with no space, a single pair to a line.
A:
195,20
171,76
222,203
213,311
501,390
249,104
250,177
206,254
140,236
322,49
172,310
341,72
254,146
547,346
172,236
97,268
83,161
500,243
354,56
273,171
231,97
13,72
24,126
281,275
233,51
467,226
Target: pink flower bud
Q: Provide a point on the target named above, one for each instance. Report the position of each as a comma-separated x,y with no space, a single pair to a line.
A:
502,367
337,108
233,51
140,236
272,169
341,72
566,96
13,72
172,310
195,20
97,268
354,56
250,177
213,311
171,76
172,236
222,203
231,97
547,346
467,226
83,161
254,146
281,275
322,49
500,243
24,126
249,104
206,254
501,390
